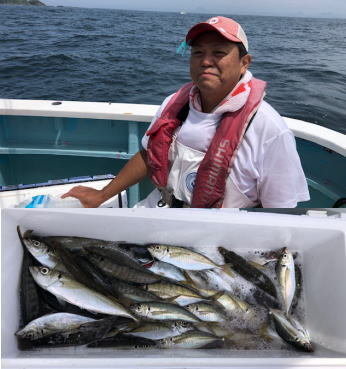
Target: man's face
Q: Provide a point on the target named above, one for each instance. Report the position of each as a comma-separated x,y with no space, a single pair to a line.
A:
215,66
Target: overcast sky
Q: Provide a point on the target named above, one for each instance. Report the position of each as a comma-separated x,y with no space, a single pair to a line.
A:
305,8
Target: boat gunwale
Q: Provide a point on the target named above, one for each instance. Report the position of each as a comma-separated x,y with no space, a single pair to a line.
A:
328,138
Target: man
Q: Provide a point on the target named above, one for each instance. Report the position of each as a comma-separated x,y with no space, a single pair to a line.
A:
215,142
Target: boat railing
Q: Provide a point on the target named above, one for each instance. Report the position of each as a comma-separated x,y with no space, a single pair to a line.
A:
137,113
114,130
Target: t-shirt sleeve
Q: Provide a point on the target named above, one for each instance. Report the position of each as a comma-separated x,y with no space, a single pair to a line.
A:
283,183
145,138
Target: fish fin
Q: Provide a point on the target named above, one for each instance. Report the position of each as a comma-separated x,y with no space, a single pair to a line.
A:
257,265
227,268
217,295
125,301
172,299
19,234
28,233
188,280
264,333
61,301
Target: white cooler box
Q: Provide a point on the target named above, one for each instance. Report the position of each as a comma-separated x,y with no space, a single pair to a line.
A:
320,241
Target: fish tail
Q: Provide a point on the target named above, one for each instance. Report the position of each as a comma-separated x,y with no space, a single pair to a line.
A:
227,268
188,280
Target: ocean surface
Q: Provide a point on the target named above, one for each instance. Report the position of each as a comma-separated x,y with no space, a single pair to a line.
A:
62,53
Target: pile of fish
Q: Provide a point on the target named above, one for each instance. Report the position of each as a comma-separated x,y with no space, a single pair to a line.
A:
82,291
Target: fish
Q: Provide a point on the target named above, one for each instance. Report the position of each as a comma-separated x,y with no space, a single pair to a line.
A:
213,279
138,251
84,246
182,257
82,271
125,341
66,288
160,330
31,306
162,311
291,331
86,333
207,312
123,272
52,323
286,277
165,269
248,271
132,293
192,339
73,243
174,292
44,254
120,324
113,252
234,306
51,304
216,328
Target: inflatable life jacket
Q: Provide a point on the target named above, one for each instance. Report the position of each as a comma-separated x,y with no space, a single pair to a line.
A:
215,167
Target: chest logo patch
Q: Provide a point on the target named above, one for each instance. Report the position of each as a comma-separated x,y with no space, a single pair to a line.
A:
190,181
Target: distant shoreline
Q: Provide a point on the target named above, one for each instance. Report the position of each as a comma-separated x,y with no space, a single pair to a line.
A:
22,2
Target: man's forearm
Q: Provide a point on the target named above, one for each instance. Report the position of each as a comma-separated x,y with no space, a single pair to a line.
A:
133,171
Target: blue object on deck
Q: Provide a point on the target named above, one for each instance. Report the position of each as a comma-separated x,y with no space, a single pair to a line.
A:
37,201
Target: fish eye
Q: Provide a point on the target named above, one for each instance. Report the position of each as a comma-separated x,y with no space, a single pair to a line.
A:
157,247
36,243
44,271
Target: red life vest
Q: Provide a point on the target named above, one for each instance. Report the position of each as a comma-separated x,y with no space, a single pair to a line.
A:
215,167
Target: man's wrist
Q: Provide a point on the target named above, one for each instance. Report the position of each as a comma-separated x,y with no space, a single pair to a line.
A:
107,192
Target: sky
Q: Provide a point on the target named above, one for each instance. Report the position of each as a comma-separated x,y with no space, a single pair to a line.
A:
295,8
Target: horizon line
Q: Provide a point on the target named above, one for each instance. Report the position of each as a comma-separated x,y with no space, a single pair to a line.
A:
205,12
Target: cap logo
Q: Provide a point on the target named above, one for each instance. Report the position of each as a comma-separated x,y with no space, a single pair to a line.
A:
213,20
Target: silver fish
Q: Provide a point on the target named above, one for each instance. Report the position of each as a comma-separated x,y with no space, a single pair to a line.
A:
286,276
160,330
52,323
162,311
132,293
125,342
75,293
212,279
291,331
206,312
123,271
234,306
166,270
190,339
182,257
174,292
42,252
215,328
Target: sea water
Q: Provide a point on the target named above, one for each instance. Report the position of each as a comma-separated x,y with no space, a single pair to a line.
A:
63,53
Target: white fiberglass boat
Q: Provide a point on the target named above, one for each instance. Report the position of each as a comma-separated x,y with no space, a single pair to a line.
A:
42,142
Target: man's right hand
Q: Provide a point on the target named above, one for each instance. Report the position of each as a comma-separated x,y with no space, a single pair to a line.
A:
88,196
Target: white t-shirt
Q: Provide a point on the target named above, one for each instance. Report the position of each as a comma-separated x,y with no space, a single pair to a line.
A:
267,167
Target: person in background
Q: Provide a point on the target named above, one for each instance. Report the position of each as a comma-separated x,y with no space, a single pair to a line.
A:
215,142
